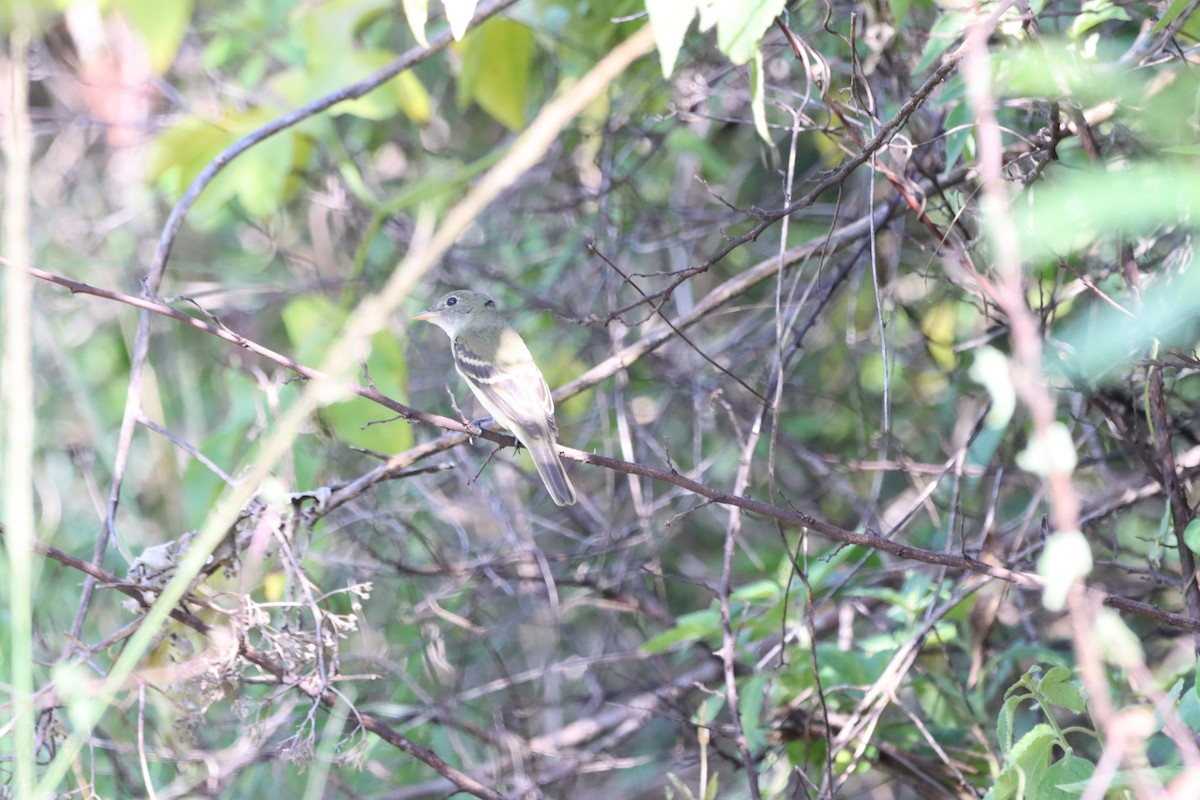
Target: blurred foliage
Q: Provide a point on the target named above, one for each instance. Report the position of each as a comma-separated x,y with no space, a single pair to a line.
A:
461,607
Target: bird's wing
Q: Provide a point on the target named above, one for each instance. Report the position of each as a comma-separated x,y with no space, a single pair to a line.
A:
515,387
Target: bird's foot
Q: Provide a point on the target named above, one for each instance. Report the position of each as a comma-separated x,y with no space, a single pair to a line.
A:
475,427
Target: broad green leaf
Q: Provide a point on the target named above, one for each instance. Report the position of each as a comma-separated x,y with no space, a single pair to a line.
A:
670,20
417,14
1063,776
1078,209
759,590
850,667
1092,14
335,58
1058,689
496,59
688,628
1004,723
741,26
750,705
163,24
1125,780
261,174
707,711
458,14
1027,764
312,324
942,34
1106,340
412,97
1174,10
960,127
182,151
938,327
1191,535
259,177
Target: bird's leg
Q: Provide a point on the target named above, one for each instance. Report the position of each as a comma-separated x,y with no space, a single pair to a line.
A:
475,427
477,424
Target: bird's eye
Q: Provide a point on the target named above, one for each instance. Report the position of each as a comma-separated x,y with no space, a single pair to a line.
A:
451,301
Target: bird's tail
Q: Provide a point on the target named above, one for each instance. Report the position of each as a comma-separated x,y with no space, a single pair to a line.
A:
544,453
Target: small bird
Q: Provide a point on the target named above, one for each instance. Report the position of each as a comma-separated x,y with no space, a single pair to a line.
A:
494,361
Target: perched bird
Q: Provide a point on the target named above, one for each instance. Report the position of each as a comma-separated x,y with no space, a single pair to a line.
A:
494,361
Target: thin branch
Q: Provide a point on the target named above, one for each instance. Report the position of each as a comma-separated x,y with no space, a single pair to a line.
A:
459,434
326,696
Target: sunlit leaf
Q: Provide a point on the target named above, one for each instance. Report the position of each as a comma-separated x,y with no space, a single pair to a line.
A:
162,24
1093,13
741,26
1191,535
670,20
1064,775
312,324
417,14
458,14
495,74
1171,14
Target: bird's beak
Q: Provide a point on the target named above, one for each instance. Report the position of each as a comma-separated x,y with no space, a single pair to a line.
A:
426,315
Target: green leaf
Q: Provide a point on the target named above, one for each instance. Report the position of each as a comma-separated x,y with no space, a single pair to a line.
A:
1191,535
689,628
1058,689
1082,207
261,173
495,70
1124,780
312,324
1027,764
942,34
1004,723
707,711
758,590
1063,776
1100,345
1092,14
670,20
162,24
750,705
417,14
412,97
1174,10
740,26
458,14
